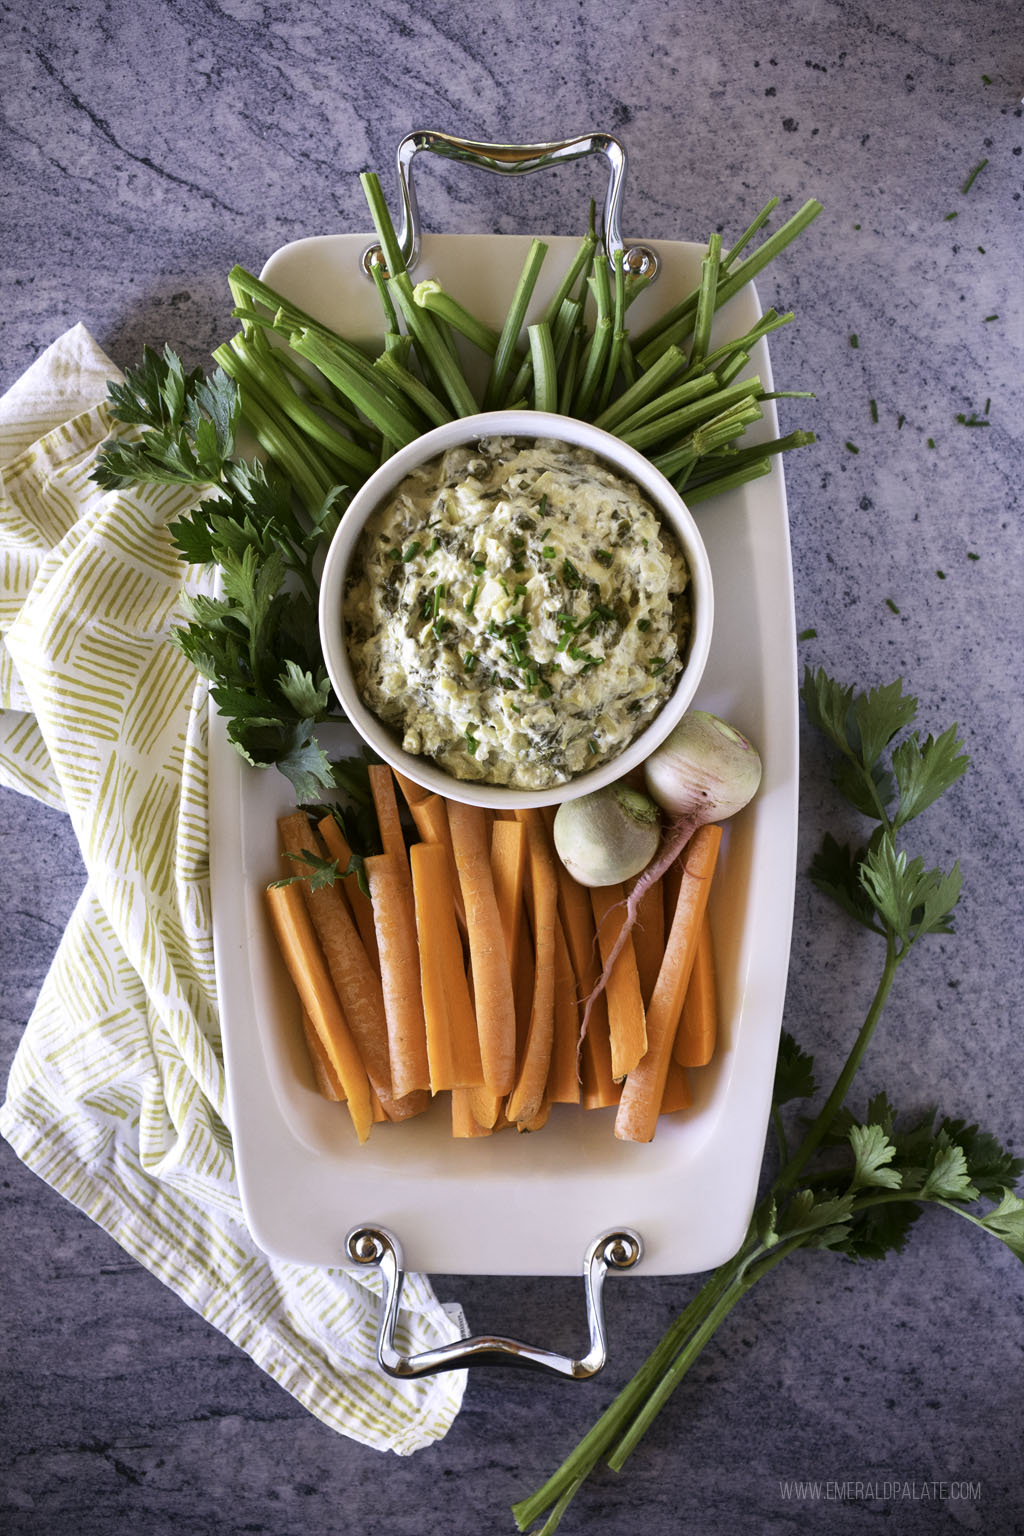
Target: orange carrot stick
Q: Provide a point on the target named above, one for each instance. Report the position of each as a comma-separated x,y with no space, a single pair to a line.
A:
493,995
453,1048
328,1084
508,868
527,1097
637,1115
627,1026
598,1087
677,1094
338,848
431,818
698,1023
389,821
300,951
649,937
563,1075
395,922
355,979
410,789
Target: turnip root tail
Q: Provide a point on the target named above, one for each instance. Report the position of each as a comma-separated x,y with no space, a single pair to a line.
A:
675,839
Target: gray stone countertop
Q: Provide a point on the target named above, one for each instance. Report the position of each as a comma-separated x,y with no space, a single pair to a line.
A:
146,148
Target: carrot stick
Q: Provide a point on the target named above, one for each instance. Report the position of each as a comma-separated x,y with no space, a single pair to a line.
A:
395,921
389,821
698,1023
338,848
627,1025
508,868
598,1087
453,1049
300,951
527,1097
493,994
431,818
410,789
649,937
637,1115
328,1084
355,979
563,1074
465,1125
677,1094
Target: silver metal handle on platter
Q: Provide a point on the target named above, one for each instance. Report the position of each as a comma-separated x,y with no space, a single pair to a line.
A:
374,1247
517,160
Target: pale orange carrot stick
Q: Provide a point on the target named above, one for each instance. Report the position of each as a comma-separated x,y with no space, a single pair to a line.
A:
677,1094
598,1088
431,818
527,1097
649,937
637,1115
453,1048
508,868
338,848
355,978
328,1084
564,1073
395,921
465,1125
296,938
627,1025
410,789
493,995
698,1023
389,820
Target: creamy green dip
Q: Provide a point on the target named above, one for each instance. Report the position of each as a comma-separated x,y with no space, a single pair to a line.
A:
517,611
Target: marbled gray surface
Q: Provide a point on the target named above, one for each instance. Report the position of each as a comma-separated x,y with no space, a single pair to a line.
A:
146,147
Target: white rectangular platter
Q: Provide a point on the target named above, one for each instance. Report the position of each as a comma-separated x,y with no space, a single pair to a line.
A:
529,1204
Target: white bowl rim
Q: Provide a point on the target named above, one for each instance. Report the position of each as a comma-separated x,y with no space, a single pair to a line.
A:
539,425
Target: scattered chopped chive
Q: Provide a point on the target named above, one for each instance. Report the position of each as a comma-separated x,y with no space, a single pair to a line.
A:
856,226
970,180
981,250
657,665
973,420
604,556
972,556
854,340
471,742
469,661
852,447
471,599
592,745
949,216
874,410
890,604
931,442
990,317
571,575
988,402
544,691
394,554
941,575
808,634
412,551
549,552
985,80
899,422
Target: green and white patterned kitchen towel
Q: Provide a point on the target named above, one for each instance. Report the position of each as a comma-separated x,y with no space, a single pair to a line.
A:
116,1096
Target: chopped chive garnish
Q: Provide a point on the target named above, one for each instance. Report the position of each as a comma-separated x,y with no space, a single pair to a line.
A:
970,180
899,422
941,575
411,552
985,80
990,317
549,552
972,556
544,691
657,665
890,604
931,442
988,402
981,250
973,420
852,448
951,216
571,575
854,341
603,556
808,634
469,661
471,599
874,409
592,746
471,742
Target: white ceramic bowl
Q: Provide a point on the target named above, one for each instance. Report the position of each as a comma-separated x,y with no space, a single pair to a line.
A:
469,429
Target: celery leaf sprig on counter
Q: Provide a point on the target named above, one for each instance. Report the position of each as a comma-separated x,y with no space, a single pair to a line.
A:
322,412
851,1180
